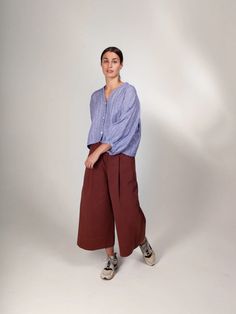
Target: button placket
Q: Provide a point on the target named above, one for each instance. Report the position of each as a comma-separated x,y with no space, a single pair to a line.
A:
103,118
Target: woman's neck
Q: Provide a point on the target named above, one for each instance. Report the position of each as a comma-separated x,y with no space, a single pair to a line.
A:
111,84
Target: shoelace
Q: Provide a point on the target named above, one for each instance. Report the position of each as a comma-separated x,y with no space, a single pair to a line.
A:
109,263
146,249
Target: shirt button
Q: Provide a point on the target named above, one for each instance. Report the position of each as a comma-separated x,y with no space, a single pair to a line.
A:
101,132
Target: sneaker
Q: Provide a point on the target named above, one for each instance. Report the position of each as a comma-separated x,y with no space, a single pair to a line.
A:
148,253
111,265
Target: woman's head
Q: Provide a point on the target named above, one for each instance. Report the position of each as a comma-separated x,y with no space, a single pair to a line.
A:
112,62
115,50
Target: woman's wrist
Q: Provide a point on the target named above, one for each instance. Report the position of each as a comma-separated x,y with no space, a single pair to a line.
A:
102,148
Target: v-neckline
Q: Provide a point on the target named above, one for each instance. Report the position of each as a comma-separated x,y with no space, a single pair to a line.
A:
103,90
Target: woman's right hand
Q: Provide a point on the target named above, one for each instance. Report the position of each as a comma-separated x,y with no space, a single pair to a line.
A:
91,159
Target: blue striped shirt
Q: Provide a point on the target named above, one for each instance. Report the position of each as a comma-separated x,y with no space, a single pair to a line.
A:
116,121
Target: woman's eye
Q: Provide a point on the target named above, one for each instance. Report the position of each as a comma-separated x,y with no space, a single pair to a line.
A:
105,61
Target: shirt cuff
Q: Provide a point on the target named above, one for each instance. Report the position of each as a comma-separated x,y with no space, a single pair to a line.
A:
107,142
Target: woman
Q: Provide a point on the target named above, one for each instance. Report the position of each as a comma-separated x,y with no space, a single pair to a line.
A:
110,189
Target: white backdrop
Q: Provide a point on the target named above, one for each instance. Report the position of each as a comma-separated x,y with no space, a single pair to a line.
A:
180,56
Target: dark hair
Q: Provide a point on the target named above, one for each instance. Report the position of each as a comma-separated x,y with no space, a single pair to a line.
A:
115,50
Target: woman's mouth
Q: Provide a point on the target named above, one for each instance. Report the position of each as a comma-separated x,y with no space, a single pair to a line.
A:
109,71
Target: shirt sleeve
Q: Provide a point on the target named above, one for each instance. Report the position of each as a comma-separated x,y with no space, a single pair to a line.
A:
121,133
91,107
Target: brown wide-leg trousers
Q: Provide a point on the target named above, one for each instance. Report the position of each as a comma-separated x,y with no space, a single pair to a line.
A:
110,195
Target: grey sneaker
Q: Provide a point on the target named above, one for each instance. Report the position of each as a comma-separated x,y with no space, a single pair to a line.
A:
148,253
111,265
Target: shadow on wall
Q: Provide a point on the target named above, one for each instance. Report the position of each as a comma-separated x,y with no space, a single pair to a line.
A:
174,185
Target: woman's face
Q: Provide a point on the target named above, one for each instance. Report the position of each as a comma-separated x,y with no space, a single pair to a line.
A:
111,64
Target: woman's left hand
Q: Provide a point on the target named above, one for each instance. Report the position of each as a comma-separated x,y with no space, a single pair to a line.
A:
91,159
